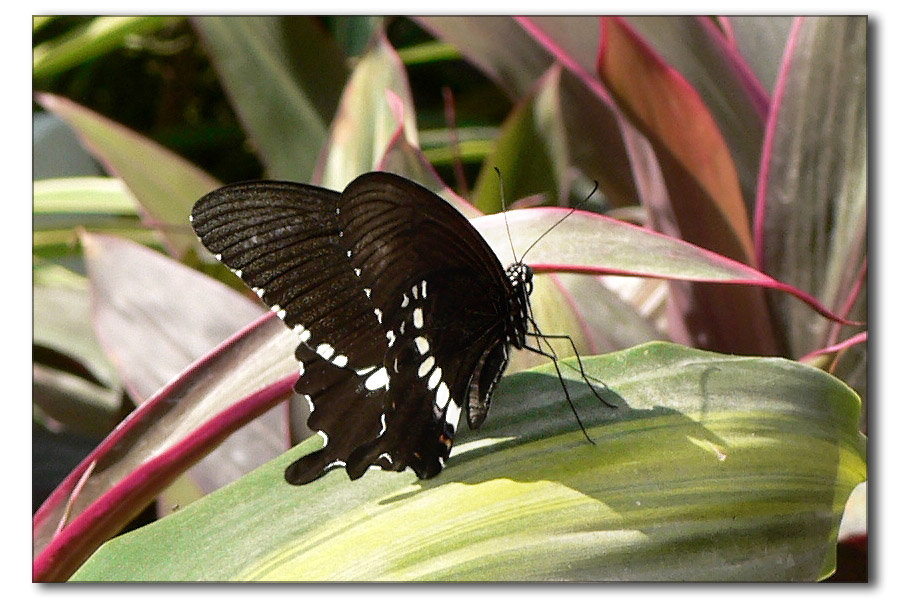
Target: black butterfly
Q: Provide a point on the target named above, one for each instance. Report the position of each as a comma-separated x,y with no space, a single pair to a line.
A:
404,312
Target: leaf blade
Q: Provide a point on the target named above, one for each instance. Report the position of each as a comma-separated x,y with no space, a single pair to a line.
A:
528,498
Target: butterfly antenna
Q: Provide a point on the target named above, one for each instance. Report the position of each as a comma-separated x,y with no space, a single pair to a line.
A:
505,220
563,218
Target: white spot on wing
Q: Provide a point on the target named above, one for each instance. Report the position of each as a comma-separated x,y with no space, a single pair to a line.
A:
434,379
258,291
423,288
325,351
383,425
426,366
418,319
415,292
442,396
377,380
405,302
238,272
365,371
304,337
422,344
452,416
368,292
378,314
391,338
340,361
324,437
302,368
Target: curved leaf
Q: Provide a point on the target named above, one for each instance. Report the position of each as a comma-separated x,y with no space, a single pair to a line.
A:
696,162
730,90
697,195
711,468
625,250
148,332
761,41
247,375
517,51
365,123
813,180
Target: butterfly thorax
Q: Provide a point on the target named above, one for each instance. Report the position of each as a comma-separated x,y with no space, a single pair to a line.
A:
520,278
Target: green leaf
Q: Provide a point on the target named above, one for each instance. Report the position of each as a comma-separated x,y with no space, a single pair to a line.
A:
97,203
530,151
284,76
427,52
711,468
86,195
93,39
165,184
497,45
353,33
62,322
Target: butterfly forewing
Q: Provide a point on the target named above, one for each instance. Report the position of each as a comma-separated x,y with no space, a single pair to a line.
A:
402,309
283,240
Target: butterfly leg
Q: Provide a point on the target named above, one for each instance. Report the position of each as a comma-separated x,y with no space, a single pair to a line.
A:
552,356
587,378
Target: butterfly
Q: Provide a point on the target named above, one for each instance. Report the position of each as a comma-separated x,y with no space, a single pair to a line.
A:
404,314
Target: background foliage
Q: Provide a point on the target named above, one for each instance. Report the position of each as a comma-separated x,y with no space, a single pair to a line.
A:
687,128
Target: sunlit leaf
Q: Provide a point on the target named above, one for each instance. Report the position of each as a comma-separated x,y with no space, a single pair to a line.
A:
743,465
